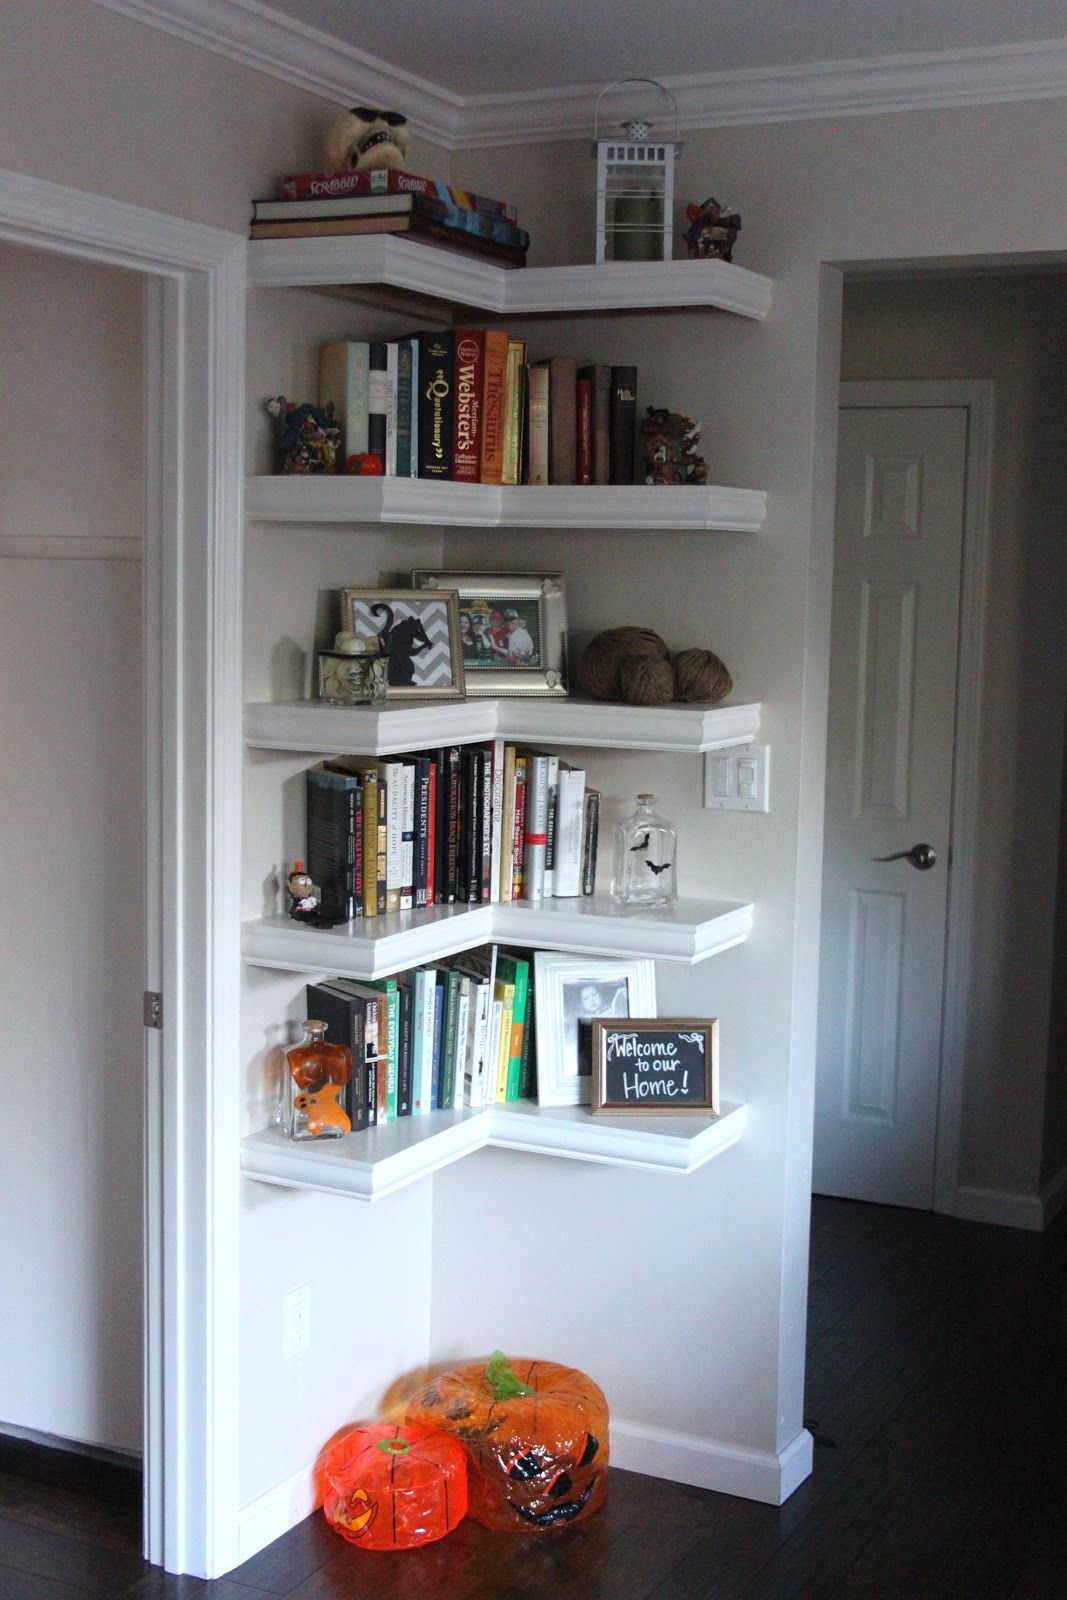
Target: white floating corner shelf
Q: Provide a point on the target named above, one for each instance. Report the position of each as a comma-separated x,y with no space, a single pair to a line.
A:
402,725
458,279
377,1162
373,947
344,501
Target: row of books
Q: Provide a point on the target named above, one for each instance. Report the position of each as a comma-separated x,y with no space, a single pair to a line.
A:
434,1038
466,824
464,404
367,203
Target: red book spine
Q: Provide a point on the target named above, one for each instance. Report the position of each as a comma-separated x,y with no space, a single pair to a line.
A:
431,835
585,430
519,837
467,408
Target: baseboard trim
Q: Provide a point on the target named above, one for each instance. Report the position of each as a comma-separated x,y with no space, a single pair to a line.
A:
679,1457
77,1447
1002,1207
712,1464
274,1513
1054,1196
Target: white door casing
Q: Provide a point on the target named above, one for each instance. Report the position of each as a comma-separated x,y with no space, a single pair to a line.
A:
194,342
910,522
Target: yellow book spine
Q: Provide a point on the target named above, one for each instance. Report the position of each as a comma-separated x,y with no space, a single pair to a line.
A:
504,992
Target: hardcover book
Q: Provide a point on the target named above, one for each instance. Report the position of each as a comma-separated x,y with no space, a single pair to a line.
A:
537,423
623,422
562,420
600,380
493,406
514,411
468,380
378,400
332,812
343,383
436,352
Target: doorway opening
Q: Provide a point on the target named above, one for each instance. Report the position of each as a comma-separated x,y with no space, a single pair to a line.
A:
936,1084
72,815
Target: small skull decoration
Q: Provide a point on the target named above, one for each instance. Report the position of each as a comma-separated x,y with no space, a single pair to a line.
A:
367,140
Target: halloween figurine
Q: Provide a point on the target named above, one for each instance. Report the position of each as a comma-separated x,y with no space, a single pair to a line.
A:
303,901
367,140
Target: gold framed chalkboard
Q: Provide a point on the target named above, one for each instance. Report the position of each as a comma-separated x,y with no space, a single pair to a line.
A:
656,1066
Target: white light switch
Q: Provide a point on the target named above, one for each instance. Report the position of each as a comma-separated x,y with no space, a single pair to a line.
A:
738,778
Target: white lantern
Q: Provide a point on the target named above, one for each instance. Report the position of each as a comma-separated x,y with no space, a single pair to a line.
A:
634,185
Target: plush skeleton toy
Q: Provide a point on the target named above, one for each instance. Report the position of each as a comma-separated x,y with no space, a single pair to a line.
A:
364,140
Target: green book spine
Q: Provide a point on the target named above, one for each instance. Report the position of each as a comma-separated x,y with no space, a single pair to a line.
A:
388,987
447,1085
515,971
528,1063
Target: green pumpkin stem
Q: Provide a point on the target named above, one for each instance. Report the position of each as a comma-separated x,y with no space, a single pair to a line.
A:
500,1375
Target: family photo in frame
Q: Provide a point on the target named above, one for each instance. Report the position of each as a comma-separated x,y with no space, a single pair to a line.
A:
572,991
512,629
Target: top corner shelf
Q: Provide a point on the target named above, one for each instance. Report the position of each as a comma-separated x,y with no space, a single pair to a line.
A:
384,261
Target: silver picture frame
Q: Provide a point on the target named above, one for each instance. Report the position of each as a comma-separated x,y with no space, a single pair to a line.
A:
513,630
570,992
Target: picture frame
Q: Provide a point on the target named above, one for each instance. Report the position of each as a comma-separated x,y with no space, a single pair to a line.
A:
570,992
502,609
656,1066
420,632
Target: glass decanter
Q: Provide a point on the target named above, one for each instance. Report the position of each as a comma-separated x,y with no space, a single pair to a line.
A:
646,850
318,1075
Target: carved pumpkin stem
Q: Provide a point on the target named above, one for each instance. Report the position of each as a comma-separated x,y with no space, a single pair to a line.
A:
500,1375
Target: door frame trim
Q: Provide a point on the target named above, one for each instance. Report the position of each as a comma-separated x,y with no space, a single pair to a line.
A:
194,366
977,396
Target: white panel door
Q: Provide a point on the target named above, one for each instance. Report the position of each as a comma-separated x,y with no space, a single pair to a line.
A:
899,538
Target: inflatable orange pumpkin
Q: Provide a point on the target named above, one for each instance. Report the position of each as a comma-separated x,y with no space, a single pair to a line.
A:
392,1487
536,1436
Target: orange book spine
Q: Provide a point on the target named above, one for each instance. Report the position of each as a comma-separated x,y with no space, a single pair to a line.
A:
496,365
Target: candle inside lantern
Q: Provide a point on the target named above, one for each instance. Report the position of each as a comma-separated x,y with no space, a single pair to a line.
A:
637,228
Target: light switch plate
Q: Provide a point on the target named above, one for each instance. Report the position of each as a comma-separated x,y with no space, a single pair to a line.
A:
738,778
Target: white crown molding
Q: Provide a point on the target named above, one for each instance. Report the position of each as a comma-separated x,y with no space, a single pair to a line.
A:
789,94
257,37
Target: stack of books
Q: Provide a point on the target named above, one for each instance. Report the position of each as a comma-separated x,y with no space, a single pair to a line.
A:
466,824
464,405
435,1038
317,204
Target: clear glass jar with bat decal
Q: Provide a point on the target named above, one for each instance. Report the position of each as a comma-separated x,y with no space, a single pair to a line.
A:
646,858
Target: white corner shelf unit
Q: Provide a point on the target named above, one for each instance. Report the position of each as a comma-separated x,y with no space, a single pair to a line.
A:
438,284
374,947
400,725
350,501
347,263
381,1160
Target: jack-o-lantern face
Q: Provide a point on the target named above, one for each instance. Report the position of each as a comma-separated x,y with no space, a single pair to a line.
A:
536,1436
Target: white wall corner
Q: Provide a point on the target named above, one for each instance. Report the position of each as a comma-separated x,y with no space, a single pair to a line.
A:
711,1463
1002,1207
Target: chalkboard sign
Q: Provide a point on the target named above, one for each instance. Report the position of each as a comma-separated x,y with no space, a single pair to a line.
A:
666,1066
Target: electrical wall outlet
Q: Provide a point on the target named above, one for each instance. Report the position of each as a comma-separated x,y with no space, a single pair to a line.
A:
738,778
296,1322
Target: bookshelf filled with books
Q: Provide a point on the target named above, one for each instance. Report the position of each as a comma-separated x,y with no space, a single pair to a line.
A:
379,1159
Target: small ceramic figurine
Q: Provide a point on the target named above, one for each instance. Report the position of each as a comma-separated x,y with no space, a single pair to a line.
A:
367,140
306,437
303,902
711,232
670,442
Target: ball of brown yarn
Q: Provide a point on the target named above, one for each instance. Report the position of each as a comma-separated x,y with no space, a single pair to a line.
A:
646,681
700,675
598,665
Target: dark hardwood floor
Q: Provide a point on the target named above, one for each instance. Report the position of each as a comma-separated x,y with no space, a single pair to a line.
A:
936,1395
